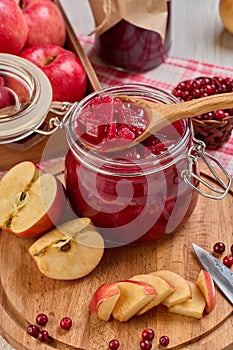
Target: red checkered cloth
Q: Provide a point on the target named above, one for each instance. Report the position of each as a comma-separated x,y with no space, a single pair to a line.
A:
166,77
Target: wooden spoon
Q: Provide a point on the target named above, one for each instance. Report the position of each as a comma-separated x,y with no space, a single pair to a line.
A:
160,114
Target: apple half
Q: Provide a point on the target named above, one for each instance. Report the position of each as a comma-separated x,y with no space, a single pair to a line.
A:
69,251
103,300
134,296
182,290
31,202
206,285
193,307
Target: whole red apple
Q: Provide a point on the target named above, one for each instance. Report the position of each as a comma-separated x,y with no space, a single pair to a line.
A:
5,100
63,68
45,22
13,27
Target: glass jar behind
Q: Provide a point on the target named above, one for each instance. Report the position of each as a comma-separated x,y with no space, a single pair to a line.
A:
130,36
135,196
126,46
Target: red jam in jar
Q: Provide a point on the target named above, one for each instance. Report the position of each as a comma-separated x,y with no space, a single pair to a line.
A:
134,195
132,48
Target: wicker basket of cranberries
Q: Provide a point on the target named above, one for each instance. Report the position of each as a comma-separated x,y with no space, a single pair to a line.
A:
214,128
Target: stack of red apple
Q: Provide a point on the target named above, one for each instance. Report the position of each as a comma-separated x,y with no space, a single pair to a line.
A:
36,31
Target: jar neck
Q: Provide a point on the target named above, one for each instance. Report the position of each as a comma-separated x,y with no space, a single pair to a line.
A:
116,163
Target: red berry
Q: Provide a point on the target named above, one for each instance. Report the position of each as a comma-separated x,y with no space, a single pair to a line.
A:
219,247
43,336
66,323
33,330
204,86
164,340
219,114
145,344
41,319
228,260
114,344
148,334
232,248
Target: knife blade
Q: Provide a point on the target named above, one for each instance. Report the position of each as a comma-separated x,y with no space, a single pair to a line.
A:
221,274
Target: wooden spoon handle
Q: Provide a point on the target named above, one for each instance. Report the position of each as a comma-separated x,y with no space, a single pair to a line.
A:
189,109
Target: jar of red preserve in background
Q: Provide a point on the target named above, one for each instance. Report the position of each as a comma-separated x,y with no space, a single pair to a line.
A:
138,194
133,48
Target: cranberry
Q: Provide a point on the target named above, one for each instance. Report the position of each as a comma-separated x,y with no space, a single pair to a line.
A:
145,344
228,260
66,323
219,248
219,114
114,344
148,334
164,340
43,336
41,319
33,330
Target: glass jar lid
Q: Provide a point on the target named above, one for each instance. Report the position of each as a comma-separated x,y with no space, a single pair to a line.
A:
25,98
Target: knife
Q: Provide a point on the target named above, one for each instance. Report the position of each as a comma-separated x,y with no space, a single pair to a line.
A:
221,274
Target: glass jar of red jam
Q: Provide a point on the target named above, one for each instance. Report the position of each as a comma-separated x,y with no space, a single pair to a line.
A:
137,194
131,48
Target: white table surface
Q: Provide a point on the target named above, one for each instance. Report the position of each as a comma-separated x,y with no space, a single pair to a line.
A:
197,33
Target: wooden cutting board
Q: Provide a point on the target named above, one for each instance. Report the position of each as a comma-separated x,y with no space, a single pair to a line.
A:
25,292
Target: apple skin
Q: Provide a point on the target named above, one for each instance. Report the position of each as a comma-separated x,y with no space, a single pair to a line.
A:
103,300
226,14
206,285
45,23
5,100
39,210
13,28
133,297
63,68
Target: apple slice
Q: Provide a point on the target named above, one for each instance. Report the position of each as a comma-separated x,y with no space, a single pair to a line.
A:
103,300
206,285
182,290
69,251
160,285
193,307
30,202
133,297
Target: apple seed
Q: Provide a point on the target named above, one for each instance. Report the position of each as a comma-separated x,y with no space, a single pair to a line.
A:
21,199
